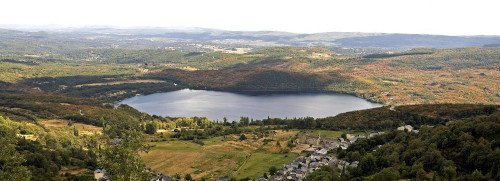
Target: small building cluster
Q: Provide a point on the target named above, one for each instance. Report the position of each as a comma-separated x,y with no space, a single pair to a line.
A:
317,156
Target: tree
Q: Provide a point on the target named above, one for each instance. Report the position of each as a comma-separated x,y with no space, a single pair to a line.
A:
10,160
188,177
343,135
324,173
151,128
123,140
243,137
224,121
272,170
244,121
477,175
75,131
450,172
368,163
387,174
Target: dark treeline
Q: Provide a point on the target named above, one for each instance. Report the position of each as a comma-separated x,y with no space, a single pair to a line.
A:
75,86
382,118
197,129
385,118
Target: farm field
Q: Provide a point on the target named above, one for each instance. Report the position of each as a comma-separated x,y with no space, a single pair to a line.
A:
227,156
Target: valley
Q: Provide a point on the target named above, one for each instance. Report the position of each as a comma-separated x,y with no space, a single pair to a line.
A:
62,117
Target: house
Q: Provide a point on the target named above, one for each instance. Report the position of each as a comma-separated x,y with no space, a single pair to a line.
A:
322,151
99,174
341,140
405,127
310,149
223,179
350,136
354,164
116,141
163,178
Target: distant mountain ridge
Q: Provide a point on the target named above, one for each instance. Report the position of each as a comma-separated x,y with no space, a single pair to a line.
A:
327,39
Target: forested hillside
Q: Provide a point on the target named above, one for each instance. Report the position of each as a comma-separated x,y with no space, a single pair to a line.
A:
465,149
49,136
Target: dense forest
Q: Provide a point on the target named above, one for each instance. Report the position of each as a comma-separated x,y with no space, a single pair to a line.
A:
464,149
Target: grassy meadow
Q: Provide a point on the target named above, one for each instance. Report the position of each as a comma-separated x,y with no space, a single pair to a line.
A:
227,156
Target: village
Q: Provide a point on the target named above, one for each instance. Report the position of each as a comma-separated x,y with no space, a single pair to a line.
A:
316,155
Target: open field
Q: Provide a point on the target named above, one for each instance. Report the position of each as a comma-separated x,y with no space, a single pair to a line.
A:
220,156
120,82
67,125
228,156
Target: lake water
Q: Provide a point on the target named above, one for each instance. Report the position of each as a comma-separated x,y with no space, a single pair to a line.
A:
216,105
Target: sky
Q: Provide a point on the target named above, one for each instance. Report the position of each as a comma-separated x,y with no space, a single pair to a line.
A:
446,17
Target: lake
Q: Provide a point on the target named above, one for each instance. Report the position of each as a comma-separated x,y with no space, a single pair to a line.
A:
216,105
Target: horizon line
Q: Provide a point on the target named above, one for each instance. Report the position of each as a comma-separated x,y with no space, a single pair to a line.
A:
49,27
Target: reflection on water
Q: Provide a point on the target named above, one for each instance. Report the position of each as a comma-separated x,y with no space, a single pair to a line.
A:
216,105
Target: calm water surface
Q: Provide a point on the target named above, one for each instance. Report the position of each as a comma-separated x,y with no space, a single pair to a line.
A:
216,105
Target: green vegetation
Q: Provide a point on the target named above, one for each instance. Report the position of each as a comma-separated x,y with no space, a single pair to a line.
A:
384,118
10,160
58,120
119,155
259,163
464,149
33,153
52,124
216,158
392,78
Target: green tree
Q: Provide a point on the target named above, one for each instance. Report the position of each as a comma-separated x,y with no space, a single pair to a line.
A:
151,128
244,121
368,163
387,174
75,131
324,173
450,172
243,137
188,177
272,170
477,175
10,160
123,140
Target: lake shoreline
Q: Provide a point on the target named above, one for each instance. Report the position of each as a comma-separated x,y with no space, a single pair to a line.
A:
253,104
260,92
